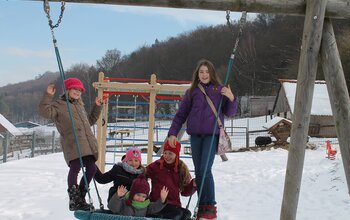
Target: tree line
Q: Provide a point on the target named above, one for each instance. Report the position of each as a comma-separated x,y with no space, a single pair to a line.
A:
269,50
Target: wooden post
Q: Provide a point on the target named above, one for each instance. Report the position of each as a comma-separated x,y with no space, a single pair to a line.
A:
53,142
33,144
335,8
6,146
312,35
151,112
102,128
338,92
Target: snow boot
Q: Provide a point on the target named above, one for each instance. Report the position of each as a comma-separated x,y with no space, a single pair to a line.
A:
75,201
206,212
82,194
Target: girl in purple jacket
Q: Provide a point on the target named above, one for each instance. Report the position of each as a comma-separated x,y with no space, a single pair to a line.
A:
200,126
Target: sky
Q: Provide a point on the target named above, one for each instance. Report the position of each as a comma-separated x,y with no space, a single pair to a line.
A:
86,32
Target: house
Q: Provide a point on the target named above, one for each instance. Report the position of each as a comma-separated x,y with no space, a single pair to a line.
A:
6,126
321,117
261,105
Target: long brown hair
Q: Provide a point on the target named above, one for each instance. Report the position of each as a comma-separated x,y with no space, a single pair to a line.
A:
214,79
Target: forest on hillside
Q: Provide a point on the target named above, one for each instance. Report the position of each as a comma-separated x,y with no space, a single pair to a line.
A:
269,50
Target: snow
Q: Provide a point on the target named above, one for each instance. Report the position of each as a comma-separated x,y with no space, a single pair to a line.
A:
320,102
249,186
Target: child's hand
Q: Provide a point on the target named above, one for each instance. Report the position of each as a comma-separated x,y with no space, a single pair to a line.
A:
121,191
226,91
164,193
51,89
172,141
99,101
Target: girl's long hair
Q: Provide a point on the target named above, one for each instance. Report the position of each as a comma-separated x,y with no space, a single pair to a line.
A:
184,174
214,79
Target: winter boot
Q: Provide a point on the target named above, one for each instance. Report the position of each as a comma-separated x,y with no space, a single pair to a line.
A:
75,201
83,204
206,212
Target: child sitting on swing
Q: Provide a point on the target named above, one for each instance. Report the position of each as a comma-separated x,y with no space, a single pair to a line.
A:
136,201
122,173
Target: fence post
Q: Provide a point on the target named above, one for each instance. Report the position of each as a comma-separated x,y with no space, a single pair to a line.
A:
53,141
6,146
247,134
33,144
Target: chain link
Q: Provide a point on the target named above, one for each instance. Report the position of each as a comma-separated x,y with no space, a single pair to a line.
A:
47,11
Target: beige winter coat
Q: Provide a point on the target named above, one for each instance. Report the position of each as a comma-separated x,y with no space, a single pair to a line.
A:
58,112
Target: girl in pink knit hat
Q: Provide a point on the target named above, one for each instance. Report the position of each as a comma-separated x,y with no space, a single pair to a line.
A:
122,173
58,113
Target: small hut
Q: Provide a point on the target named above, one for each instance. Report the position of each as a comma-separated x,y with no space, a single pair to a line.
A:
280,128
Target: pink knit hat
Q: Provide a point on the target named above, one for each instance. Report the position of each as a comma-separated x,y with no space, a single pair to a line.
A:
74,83
133,153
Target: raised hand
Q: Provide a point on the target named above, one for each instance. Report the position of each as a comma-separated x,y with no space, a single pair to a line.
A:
226,91
164,194
51,89
121,191
99,101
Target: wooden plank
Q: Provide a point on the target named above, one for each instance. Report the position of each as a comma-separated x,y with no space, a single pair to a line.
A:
338,93
334,8
151,118
312,34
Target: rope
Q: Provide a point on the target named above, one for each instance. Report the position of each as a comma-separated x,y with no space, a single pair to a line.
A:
228,73
62,74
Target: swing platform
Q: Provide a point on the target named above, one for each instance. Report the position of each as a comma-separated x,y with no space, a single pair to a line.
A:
106,215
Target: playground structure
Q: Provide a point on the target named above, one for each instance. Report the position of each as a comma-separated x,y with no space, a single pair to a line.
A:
318,44
159,91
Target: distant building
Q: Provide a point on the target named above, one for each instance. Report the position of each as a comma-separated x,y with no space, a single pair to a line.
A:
261,105
321,117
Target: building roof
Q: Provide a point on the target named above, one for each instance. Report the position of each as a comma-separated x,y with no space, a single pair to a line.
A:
5,125
26,124
320,102
276,120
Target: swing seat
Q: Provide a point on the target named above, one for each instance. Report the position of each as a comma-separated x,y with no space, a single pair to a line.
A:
103,215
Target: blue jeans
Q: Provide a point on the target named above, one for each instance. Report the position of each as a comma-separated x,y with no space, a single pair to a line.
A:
201,155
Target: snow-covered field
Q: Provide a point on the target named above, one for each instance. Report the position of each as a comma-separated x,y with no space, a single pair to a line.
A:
248,187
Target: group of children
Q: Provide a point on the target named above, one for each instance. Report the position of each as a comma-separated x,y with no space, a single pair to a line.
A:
131,193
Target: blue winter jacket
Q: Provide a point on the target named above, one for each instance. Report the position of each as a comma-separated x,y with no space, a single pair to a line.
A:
199,115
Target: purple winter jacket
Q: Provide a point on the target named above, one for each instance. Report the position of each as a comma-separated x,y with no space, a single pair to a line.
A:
200,117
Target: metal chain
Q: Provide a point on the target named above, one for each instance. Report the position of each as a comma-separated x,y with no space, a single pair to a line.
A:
242,22
47,11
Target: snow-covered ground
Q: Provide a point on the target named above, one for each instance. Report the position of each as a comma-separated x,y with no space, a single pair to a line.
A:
248,187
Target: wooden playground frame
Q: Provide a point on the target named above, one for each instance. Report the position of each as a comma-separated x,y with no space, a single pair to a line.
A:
104,86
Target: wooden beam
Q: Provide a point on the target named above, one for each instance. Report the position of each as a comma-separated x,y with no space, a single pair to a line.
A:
151,118
334,9
312,35
338,93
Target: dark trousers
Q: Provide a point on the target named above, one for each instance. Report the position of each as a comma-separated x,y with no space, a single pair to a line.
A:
74,168
173,212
